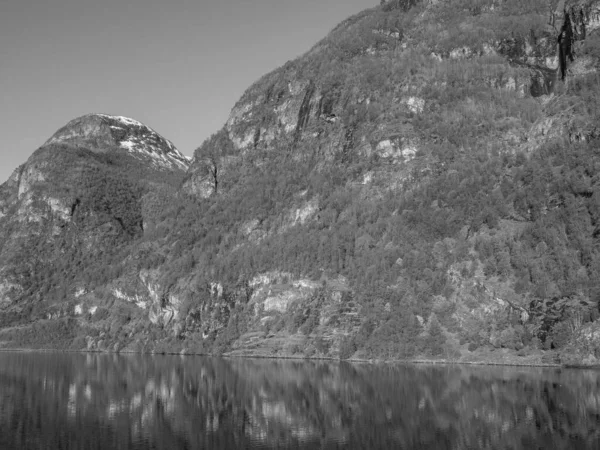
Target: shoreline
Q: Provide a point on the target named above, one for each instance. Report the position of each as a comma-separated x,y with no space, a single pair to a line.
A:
303,358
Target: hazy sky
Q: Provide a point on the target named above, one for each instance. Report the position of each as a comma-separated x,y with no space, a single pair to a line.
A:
176,65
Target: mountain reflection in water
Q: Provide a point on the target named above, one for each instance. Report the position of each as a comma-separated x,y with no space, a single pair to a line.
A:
72,401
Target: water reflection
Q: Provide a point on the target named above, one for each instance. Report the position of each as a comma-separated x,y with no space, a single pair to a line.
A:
134,401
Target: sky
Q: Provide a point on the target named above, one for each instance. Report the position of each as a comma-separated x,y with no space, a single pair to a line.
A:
177,66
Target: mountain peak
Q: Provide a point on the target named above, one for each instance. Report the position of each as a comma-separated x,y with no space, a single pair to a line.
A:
103,132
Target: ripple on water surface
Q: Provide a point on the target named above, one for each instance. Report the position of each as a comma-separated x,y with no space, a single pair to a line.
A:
96,401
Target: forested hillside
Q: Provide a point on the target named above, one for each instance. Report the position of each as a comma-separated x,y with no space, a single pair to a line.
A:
422,183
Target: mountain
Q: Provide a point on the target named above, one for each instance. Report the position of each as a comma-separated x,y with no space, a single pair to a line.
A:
81,201
422,183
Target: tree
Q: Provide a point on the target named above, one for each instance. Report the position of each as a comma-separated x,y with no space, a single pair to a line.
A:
435,337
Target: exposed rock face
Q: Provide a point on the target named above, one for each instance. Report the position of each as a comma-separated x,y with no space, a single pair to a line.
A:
199,185
289,109
209,171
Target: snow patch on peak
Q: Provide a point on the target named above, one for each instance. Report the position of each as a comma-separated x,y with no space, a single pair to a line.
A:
130,145
173,159
174,149
125,120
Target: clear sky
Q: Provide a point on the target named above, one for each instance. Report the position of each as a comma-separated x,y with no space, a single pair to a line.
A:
176,65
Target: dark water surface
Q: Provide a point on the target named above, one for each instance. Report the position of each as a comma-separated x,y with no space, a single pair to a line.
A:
96,401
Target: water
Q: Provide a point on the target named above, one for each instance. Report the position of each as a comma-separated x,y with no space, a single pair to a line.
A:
97,401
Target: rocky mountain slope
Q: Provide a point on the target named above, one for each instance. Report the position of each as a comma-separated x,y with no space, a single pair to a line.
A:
82,201
420,184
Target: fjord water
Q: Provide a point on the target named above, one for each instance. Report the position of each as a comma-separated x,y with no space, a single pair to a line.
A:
100,401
